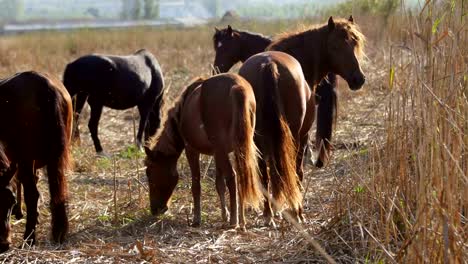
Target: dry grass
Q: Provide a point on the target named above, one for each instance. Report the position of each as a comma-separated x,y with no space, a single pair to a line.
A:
395,191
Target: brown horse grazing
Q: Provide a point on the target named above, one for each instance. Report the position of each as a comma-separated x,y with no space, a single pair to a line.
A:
232,46
285,114
36,116
334,47
212,116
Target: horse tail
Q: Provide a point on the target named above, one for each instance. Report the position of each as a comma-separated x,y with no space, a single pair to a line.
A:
326,118
245,151
279,145
59,127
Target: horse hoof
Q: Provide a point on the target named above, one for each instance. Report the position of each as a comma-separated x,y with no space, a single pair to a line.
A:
4,247
103,154
18,215
319,164
196,223
241,228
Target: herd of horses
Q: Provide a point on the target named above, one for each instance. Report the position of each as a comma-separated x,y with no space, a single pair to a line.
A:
263,115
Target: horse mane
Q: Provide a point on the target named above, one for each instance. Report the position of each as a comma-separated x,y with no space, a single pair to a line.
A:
170,122
288,40
4,163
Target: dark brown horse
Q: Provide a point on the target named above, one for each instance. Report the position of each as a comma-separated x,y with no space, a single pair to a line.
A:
36,116
232,46
334,47
212,116
285,107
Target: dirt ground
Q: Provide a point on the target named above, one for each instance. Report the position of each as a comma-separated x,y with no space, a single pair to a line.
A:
101,234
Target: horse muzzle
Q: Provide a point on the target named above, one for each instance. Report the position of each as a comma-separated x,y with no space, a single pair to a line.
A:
356,81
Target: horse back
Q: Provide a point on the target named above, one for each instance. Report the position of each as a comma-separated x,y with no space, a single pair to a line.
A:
118,82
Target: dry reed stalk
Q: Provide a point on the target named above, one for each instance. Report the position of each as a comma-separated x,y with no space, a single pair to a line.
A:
417,183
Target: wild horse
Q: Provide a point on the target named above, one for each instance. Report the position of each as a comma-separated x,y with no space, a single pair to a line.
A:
285,106
118,82
212,116
232,46
36,116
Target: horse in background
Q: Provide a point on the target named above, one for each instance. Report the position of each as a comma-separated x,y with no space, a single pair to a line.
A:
118,82
335,47
232,46
213,116
285,108
36,116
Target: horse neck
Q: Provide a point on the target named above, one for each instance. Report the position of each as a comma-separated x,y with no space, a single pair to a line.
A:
252,44
170,141
315,59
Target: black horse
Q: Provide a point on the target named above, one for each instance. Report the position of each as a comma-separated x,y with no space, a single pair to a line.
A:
118,82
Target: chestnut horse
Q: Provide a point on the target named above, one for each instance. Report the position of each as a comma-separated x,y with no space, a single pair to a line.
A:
36,113
285,114
232,46
118,82
213,116
281,96
334,47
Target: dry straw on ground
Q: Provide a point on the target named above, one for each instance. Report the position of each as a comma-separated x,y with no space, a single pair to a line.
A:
395,191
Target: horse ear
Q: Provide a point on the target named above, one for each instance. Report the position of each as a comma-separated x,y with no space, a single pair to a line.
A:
351,19
331,24
216,29
229,30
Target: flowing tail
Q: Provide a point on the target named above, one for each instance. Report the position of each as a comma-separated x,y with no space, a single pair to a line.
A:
245,152
280,150
326,118
59,161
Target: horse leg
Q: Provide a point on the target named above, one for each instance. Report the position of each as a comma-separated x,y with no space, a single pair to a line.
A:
58,200
96,111
193,158
221,189
143,110
27,176
300,170
78,103
267,211
222,161
17,208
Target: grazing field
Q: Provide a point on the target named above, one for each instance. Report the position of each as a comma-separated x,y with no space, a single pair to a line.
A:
395,190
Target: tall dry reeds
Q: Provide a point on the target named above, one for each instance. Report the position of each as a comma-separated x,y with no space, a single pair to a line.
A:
409,203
